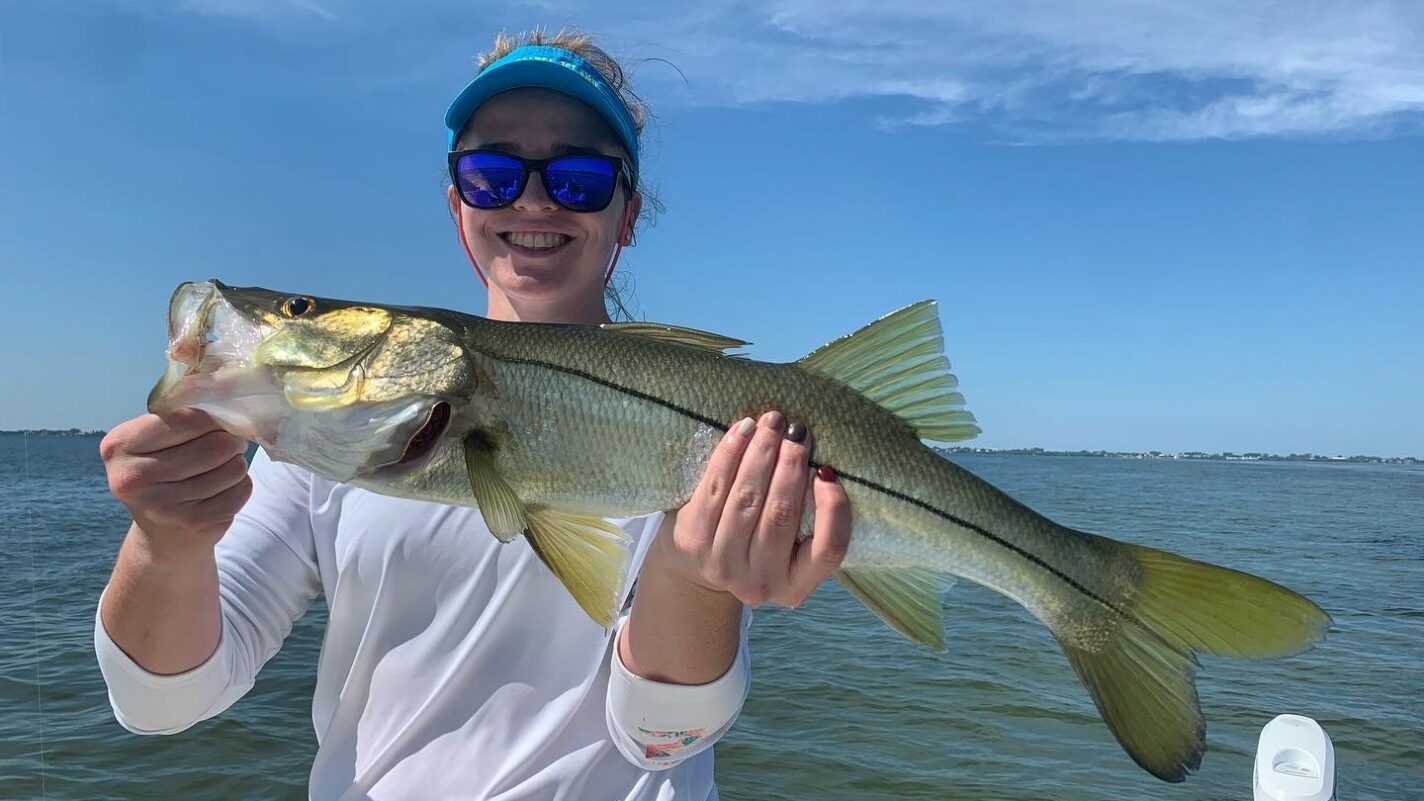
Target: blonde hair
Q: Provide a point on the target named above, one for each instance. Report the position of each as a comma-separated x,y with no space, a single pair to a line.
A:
582,45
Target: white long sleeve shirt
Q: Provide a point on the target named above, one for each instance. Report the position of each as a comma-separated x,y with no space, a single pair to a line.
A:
453,667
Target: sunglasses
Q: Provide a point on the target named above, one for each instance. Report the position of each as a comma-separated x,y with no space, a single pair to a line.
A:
490,179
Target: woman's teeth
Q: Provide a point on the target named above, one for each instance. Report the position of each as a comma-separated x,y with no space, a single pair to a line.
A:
535,241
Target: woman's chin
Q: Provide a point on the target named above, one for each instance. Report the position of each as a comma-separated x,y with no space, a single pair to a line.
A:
534,270
545,287
535,283
546,283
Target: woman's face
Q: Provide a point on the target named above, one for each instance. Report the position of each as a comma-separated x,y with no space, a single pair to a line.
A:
543,261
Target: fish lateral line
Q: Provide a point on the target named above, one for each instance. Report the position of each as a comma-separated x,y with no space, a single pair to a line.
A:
1000,541
865,482
574,371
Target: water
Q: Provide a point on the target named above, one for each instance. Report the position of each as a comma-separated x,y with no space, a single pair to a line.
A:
841,707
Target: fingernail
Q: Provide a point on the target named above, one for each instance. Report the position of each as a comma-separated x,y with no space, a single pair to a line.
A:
774,420
826,474
796,432
745,427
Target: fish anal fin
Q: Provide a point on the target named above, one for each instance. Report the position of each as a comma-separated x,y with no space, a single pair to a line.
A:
504,513
906,598
590,556
898,361
677,335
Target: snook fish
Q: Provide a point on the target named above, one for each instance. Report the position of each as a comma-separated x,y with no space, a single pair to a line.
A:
548,428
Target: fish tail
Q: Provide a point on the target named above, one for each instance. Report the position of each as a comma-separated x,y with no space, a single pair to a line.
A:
1138,656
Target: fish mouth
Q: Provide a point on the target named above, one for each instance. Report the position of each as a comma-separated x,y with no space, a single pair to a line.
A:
425,438
188,312
209,346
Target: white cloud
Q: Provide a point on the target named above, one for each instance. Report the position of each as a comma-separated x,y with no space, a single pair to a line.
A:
1093,69
262,10
1031,70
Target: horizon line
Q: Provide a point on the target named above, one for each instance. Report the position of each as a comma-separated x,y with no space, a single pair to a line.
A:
1306,456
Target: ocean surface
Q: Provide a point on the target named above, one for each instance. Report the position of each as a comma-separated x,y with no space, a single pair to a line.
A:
842,708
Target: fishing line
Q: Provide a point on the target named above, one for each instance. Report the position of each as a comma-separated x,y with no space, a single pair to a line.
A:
35,610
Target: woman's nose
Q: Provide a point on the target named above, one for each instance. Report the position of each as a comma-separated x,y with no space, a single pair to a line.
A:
535,197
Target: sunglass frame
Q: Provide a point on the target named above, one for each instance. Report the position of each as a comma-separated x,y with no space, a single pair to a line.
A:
620,170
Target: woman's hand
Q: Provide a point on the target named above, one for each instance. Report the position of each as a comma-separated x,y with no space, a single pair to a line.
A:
183,480
182,477
734,543
737,534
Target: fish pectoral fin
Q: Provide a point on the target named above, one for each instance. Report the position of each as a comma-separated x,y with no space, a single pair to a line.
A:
906,598
503,511
898,361
590,556
676,335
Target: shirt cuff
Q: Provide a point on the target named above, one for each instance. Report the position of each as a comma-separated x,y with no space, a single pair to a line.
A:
657,725
154,703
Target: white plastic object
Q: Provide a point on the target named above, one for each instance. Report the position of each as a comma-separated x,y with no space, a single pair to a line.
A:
1295,761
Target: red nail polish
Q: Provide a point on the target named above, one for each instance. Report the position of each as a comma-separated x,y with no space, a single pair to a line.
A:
825,473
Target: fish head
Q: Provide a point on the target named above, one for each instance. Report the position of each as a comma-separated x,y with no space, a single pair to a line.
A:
345,389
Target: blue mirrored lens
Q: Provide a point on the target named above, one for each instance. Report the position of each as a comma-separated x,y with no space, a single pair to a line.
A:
581,183
489,180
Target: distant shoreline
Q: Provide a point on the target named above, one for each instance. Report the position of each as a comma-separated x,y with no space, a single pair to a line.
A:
1227,456
52,432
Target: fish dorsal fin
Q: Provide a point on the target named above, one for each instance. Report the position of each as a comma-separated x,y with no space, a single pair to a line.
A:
906,598
898,361
498,502
676,335
590,556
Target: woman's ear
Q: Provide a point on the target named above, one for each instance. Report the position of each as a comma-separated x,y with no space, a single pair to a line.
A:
630,218
452,198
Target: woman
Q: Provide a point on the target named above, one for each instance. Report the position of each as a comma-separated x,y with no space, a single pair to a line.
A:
452,666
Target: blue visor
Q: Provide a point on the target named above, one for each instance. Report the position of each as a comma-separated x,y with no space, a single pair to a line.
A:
544,67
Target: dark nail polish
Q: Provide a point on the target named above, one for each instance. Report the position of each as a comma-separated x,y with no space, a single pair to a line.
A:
774,420
796,432
825,473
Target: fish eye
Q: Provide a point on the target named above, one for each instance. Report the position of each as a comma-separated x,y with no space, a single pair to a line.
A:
298,306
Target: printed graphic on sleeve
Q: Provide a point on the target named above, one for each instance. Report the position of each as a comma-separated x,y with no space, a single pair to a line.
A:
667,743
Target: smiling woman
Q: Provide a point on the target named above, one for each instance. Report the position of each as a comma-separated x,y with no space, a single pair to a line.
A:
487,170
454,664
546,247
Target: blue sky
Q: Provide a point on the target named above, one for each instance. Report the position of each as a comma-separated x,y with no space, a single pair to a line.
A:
1151,225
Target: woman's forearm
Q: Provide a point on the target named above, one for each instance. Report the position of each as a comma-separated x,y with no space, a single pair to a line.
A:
161,606
679,631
